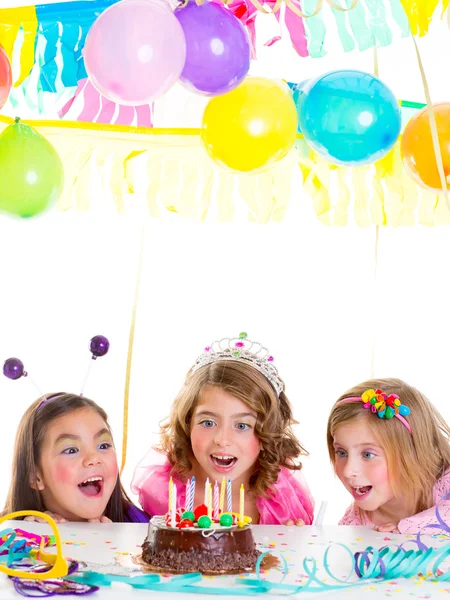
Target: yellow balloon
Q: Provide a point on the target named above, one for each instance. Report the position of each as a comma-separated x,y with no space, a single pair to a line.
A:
251,127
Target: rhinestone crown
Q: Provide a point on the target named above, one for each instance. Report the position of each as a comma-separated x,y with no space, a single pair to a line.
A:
242,350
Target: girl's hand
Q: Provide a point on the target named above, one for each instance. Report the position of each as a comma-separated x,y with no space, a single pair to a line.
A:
54,516
387,528
100,520
298,523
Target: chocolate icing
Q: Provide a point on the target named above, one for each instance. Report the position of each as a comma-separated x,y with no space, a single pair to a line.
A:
224,549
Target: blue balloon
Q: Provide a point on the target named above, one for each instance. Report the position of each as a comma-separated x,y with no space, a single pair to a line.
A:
298,91
350,118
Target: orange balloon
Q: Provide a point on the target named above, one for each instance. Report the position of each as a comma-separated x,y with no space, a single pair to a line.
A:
417,147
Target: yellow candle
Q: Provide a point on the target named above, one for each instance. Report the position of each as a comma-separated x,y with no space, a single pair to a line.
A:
222,494
170,495
241,503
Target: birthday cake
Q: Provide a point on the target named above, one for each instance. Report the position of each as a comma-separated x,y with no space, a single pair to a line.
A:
200,544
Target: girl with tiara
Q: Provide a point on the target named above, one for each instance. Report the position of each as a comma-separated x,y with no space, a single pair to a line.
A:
231,421
65,464
390,448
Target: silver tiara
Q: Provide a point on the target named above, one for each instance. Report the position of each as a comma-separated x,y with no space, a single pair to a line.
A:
245,351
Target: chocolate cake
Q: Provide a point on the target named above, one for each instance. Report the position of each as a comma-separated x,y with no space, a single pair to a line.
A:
217,549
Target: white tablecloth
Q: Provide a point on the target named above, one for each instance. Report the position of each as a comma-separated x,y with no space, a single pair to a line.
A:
99,545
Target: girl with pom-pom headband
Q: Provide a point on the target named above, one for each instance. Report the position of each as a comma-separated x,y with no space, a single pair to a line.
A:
64,460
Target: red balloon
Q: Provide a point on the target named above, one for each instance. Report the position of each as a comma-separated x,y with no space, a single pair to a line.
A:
5,77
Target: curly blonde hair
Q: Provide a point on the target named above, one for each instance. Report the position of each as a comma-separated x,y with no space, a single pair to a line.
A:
274,420
415,462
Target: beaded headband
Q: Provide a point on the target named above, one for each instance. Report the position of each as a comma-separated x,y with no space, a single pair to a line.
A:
385,406
14,369
243,350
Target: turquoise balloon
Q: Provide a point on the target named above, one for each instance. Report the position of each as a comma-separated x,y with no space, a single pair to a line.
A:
31,172
350,118
298,90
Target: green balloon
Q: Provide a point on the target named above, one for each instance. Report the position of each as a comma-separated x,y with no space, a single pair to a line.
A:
31,171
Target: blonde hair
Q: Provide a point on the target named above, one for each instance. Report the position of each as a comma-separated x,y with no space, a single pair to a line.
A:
415,462
274,419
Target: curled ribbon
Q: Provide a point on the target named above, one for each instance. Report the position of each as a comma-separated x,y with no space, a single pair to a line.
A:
246,11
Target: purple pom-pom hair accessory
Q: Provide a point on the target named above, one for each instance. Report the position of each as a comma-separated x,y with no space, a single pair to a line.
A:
13,368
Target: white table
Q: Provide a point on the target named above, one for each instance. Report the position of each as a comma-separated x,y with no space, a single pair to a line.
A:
100,544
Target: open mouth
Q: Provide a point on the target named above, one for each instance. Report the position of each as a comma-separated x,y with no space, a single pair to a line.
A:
92,486
223,461
361,491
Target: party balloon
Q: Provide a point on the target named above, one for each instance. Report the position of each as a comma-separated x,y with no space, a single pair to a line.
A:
251,127
298,94
217,48
13,368
31,171
418,151
135,51
99,346
5,77
350,117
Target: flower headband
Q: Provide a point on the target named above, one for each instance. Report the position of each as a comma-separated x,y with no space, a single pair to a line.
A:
386,407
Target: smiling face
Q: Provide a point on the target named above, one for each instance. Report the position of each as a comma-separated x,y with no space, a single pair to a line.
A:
78,469
361,465
223,438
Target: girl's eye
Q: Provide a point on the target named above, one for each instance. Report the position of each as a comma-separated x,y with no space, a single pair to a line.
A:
341,453
243,426
368,455
207,424
70,451
105,446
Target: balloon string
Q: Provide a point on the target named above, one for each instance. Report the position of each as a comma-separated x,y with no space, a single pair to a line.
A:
433,126
375,258
126,396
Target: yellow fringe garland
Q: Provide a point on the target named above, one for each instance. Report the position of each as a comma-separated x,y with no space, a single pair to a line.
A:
109,168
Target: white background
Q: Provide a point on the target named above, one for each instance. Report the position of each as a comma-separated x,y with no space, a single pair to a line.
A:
306,291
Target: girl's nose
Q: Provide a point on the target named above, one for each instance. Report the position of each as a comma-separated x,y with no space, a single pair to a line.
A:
221,438
92,459
352,469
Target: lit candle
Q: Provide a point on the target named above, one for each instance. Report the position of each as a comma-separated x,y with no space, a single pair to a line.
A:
188,492
206,491
222,494
192,495
229,497
170,495
241,504
216,501
209,505
173,520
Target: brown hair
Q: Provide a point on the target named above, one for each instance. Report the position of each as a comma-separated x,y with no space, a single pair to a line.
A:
274,420
30,435
415,462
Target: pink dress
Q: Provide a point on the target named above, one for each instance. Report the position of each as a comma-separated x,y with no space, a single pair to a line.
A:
417,522
291,498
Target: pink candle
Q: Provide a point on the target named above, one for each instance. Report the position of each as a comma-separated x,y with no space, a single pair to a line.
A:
188,491
216,501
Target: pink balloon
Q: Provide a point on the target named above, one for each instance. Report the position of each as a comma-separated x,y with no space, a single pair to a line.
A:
135,51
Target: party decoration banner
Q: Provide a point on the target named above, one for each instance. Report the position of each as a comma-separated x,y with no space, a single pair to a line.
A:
104,168
45,44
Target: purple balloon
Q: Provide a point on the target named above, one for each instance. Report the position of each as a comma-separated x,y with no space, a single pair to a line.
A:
217,48
99,346
13,368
